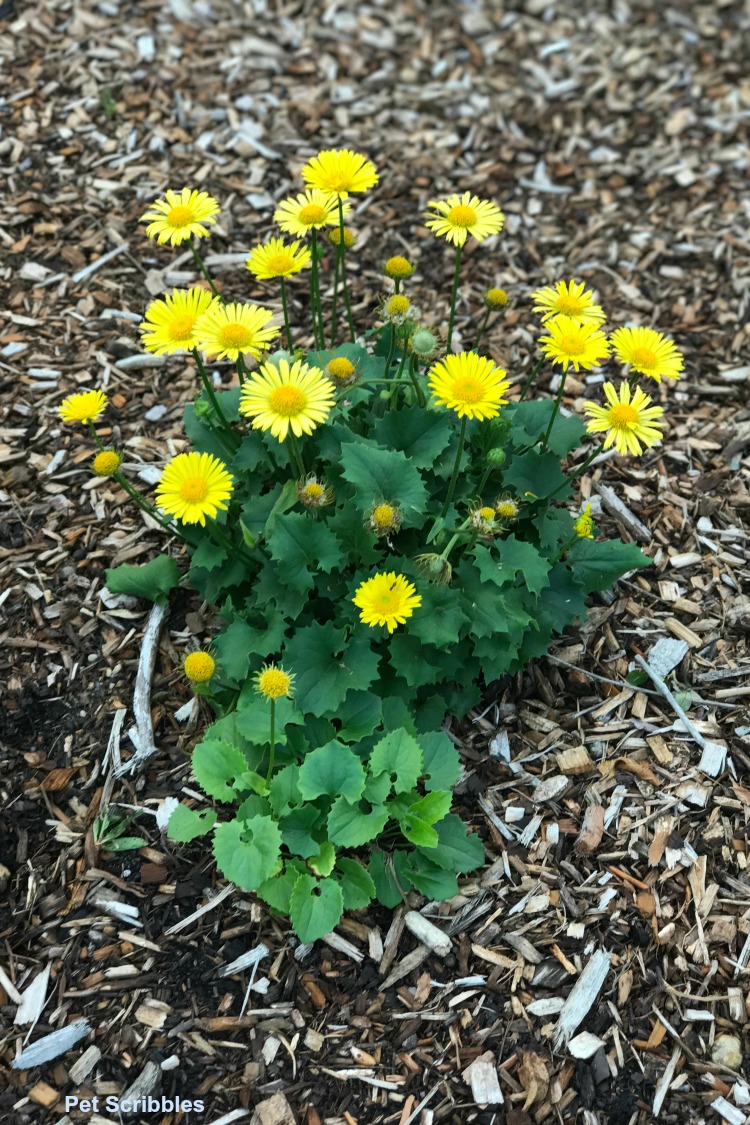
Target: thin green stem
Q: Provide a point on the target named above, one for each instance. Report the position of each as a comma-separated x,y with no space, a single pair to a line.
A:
581,469
555,408
335,297
95,436
285,307
202,267
344,283
483,481
454,294
456,467
242,370
397,285
482,328
315,302
397,377
146,506
211,394
535,371
296,457
415,381
234,551
271,742
391,348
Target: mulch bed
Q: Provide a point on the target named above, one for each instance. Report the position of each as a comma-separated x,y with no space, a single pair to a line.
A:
615,139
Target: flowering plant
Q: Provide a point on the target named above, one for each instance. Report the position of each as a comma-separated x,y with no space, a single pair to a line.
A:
384,527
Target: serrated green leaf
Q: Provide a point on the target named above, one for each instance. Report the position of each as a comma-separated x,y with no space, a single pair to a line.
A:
250,454
304,546
439,619
596,566
534,474
492,609
327,667
285,500
457,850
208,555
530,420
247,851
283,793
440,761
322,863
216,766
186,824
277,891
413,660
390,877
418,831
359,715
152,580
384,474
350,824
421,435
356,883
400,756
377,789
433,806
299,828
315,907
254,717
239,642
204,438
332,770
509,557
434,882
253,806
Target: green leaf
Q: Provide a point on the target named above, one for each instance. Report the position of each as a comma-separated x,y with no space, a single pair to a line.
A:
368,366
416,662
298,828
596,566
152,580
216,766
492,609
535,474
315,907
250,454
356,883
239,642
334,770
247,851
283,792
421,435
253,806
377,789
441,763
439,619
324,675
554,526
530,420
400,756
350,825
304,546
203,437
432,807
277,891
418,831
457,850
384,474
186,824
432,881
322,863
515,557
208,555
359,715
286,499
390,877
254,716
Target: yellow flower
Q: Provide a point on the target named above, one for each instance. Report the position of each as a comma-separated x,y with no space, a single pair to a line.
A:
506,509
199,667
273,682
398,268
313,494
384,519
276,259
341,371
627,421
495,298
387,599
279,398
299,214
227,331
334,237
574,341
396,309
648,352
340,171
84,407
487,514
463,215
470,384
180,215
193,486
584,525
571,298
106,463
170,322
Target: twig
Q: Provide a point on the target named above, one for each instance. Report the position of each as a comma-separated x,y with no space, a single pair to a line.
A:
142,734
213,902
656,679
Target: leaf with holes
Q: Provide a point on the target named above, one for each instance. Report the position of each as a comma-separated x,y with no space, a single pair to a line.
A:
399,755
217,766
315,907
351,826
248,851
187,824
332,770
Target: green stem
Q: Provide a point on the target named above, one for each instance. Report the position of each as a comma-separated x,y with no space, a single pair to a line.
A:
483,481
231,548
202,267
315,302
555,408
581,469
482,328
242,370
397,285
285,306
272,742
397,378
415,382
456,467
391,348
211,394
95,436
335,297
454,294
294,449
535,371
145,506
344,284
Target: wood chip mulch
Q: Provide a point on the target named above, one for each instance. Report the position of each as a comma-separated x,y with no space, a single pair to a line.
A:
598,967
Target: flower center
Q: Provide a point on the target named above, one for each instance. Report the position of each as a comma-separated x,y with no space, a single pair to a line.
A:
487,513
340,367
274,683
398,267
462,215
193,490
643,357
313,491
287,401
506,510
233,335
179,216
468,390
573,345
398,305
569,304
280,263
623,415
312,213
181,328
383,515
338,181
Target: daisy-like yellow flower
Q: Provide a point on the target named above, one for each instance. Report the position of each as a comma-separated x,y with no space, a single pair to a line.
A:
334,237
398,268
284,397
299,214
273,682
276,259
180,215
387,599
341,371
169,325
571,298
396,309
193,486
574,341
384,519
647,352
199,667
470,384
463,215
340,171
85,407
628,420
583,526
227,331
483,520
313,494
106,463
495,298
506,509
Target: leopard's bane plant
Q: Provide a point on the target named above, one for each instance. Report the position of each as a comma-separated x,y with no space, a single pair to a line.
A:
384,531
